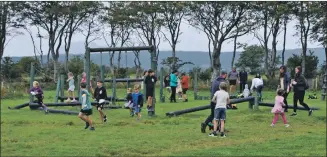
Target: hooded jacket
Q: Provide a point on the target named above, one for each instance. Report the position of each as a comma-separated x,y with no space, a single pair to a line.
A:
246,91
215,85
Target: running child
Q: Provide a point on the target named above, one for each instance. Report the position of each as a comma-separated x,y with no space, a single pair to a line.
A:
38,93
150,81
86,111
221,98
137,101
129,103
100,94
71,87
278,108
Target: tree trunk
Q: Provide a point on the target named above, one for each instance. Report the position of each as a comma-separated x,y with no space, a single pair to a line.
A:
234,52
216,61
3,12
119,59
174,56
304,56
284,43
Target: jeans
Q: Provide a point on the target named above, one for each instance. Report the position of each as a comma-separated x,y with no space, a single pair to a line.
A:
212,113
242,86
259,92
285,100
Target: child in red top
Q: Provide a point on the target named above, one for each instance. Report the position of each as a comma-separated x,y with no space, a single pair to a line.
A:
278,108
184,82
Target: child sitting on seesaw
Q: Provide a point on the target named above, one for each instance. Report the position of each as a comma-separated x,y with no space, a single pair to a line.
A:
278,108
38,93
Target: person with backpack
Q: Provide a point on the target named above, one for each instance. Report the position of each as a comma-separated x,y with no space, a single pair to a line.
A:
299,84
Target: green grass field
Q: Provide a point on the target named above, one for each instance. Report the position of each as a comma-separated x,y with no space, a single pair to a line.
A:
32,133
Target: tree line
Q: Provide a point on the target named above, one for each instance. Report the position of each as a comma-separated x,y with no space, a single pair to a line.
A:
142,23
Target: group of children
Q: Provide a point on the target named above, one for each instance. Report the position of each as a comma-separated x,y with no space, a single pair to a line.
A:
134,99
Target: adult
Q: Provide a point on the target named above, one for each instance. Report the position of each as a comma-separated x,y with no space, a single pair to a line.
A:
257,83
185,81
284,83
173,85
243,79
299,85
233,78
145,74
214,87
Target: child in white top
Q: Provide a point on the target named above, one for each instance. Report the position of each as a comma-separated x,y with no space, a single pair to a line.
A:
257,83
221,98
246,92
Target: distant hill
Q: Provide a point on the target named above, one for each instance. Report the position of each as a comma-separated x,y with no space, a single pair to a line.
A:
199,58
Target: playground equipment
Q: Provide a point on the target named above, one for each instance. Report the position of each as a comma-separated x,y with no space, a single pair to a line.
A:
151,49
195,87
251,101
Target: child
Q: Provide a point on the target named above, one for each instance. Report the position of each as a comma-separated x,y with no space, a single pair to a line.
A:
137,101
84,81
278,108
71,88
86,111
150,81
129,98
38,93
246,91
221,98
100,94
179,89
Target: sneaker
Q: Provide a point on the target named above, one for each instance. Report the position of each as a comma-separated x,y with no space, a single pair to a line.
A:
87,125
46,111
74,100
213,134
287,125
203,127
272,125
92,128
310,112
104,118
293,114
223,135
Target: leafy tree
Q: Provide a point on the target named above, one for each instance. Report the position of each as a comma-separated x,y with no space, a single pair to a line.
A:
304,13
173,13
252,58
148,21
51,16
9,69
311,64
24,64
9,21
170,61
218,20
78,13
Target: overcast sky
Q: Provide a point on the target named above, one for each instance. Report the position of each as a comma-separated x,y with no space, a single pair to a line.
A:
191,40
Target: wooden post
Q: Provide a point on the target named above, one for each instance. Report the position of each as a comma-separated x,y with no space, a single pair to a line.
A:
256,103
195,83
162,97
79,86
62,85
87,68
113,89
102,73
57,90
32,75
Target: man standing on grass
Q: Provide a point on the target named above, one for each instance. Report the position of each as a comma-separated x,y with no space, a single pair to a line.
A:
214,88
243,79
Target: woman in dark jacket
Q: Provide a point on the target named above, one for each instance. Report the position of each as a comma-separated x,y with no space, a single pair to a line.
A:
284,83
299,85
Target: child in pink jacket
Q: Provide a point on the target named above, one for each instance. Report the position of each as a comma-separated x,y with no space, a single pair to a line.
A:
278,108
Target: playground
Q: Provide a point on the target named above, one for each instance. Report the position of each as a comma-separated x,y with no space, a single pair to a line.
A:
32,133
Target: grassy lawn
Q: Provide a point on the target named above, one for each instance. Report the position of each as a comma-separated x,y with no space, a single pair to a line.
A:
32,133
